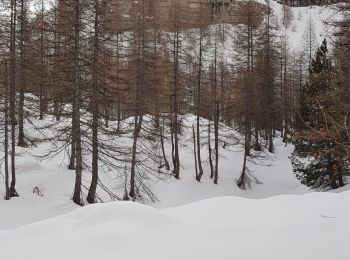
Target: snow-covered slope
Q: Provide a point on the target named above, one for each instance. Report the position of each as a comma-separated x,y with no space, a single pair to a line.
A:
54,182
313,226
301,16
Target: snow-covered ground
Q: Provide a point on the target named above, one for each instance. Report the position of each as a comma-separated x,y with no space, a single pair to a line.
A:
46,185
308,227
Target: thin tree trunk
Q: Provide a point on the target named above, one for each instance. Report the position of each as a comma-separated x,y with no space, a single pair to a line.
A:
6,136
175,127
76,106
210,151
91,198
21,141
166,163
42,65
200,168
243,180
71,165
137,130
195,150
216,127
13,192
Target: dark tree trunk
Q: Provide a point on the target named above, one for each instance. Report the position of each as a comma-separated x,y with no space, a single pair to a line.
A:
166,163
21,141
76,131
210,151
71,165
13,192
175,127
200,168
136,135
91,198
6,137
195,150
216,129
243,181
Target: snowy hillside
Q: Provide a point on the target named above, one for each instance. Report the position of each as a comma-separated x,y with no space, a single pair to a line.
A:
46,185
301,16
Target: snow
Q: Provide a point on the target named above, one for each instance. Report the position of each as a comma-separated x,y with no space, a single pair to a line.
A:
55,182
312,226
319,15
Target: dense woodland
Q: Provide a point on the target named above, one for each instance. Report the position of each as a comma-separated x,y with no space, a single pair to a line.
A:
104,76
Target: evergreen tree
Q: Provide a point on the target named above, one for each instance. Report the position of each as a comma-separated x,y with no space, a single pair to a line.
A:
318,159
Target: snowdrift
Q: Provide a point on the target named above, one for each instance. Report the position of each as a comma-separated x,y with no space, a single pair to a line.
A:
312,226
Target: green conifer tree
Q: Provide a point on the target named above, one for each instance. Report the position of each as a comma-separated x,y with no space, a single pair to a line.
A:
317,159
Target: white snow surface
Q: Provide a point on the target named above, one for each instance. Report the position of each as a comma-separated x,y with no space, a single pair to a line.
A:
321,17
312,226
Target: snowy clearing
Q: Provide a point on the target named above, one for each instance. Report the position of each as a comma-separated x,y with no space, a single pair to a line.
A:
312,226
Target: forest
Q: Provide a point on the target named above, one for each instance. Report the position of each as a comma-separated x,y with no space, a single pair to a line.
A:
174,129
113,81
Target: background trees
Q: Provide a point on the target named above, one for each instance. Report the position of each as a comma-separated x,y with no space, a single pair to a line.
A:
114,80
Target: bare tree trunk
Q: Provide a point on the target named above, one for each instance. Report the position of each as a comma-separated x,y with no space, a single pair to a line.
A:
71,165
117,84
6,136
243,181
175,127
91,198
42,65
166,163
195,150
216,132
21,141
200,168
257,145
13,192
210,151
172,134
76,131
137,131
216,114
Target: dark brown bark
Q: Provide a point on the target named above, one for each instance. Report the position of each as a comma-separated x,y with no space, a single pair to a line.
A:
76,131
216,133
195,150
13,192
137,131
210,151
199,80
91,198
175,126
166,163
6,136
21,141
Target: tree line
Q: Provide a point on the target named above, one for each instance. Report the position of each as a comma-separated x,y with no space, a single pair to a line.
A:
118,78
